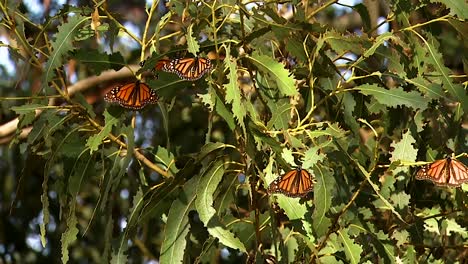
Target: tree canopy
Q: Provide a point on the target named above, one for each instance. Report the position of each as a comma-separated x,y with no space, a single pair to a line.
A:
217,112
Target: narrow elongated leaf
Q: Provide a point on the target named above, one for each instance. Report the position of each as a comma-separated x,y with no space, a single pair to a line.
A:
206,187
212,147
431,90
351,249
348,43
61,45
119,254
323,191
99,61
177,227
69,236
27,108
394,97
192,44
447,82
222,110
233,93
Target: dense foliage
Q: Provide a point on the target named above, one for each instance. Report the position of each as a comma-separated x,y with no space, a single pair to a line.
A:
323,86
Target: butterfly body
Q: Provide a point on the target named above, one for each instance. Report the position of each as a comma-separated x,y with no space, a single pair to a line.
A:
190,69
135,95
295,183
444,172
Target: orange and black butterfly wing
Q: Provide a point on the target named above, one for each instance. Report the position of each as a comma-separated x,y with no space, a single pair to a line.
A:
306,183
458,173
190,69
135,95
295,183
162,64
435,172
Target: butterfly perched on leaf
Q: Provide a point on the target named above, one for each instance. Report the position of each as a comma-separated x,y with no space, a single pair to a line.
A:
444,172
134,95
190,69
294,183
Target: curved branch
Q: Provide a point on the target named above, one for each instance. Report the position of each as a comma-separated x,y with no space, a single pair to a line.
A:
9,128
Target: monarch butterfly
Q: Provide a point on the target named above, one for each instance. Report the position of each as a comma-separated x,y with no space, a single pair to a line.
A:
295,183
161,63
134,95
444,172
190,69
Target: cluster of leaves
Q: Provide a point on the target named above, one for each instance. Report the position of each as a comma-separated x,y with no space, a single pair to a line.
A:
187,183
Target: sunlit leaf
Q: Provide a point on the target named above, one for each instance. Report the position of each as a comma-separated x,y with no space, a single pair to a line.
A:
351,249
96,140
277,71
404,151
323,191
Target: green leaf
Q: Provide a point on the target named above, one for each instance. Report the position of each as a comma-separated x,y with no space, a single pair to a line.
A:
281,116
431,90
349,43
292,246
447,82
296,48
432,225
380,40
457,8
95,140
207,185
401,237
62,44
177,227
352,250
348,106
410,255
364,14
387,204
107,239
277,71
288,157
323,191
222,110
27,108
400,200
453,226
45,209
99,61
403,151
69,236
394,97
119,254
291,206
118,259
166,159
192,44
311,157
233,93
208,100
210,148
